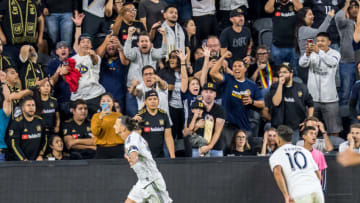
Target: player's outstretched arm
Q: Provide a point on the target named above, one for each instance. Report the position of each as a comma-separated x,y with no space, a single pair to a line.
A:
348,158
280,181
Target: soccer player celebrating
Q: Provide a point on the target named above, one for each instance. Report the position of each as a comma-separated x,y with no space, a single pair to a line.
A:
151,185
295,171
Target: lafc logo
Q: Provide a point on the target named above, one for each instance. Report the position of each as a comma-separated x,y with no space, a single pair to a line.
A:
38,128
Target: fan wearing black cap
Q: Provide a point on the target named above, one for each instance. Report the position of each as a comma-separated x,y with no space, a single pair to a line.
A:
289,102
214,119
237,38
157,127
240,95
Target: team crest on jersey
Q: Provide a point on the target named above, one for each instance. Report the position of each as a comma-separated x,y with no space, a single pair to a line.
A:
291,8
11,132
38,128
300,93
65,131
147,123
161,122
51,105
73,131
88,129
25,130
82,69
236,86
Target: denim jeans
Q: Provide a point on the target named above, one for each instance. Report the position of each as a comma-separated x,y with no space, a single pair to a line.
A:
131,105
211,153
60,24
281,55
2,157
347,77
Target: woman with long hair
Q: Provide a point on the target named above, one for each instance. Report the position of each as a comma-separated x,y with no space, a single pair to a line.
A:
240,144
269,142
304,32
55,149
108,144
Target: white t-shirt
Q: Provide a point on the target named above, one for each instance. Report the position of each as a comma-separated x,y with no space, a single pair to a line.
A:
89,86
145,168
175,100
345,145
95,7
299,169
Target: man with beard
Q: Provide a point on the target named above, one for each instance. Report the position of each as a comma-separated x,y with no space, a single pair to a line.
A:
239,97
176,35
125,20
114,69
26,133
284,22
5,62
156,126
237,38
142,55
289,102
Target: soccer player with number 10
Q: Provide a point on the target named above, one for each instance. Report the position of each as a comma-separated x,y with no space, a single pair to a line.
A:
295,171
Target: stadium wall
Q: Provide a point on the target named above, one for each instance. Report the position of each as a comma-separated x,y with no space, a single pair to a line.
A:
212,180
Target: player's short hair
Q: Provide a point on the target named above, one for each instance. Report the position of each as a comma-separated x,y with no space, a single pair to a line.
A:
78,102
145,68
129,123
285,133
168,7
307,129
323,34
356,125
270,129
312,118
144,33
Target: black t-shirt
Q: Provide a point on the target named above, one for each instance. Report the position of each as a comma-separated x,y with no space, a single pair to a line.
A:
71,128
284,22
154,130
66,6
16,108
28,72
6,24
123,32
235,42
153,12
5,62
320,10
217,112
48,113
27,138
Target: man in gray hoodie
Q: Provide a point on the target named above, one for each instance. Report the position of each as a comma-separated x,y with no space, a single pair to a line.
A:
345,22
323,63
142,55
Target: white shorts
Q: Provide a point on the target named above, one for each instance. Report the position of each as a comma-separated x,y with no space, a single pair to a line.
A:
155,192
315,197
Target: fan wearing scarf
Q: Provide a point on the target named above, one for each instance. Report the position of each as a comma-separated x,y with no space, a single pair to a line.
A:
30,72
263,71
21,23
176,35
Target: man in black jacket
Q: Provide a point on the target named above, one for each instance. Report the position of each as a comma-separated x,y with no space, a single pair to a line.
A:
289,102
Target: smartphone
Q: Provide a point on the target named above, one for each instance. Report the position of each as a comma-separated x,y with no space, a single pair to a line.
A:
309,41
105,106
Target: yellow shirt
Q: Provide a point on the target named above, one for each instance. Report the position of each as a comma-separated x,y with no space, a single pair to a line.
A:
103,130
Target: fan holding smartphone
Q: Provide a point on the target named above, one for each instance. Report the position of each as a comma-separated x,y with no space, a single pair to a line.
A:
108,144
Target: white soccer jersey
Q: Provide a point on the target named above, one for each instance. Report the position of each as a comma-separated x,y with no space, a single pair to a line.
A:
299,169
145,168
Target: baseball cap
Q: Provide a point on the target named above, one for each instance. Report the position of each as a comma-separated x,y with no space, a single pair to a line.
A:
236,12
62,44
209,86
151,93
197,104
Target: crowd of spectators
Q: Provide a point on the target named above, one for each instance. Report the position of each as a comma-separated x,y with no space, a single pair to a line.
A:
203,77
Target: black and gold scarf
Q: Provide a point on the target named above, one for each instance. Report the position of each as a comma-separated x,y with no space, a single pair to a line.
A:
4,62
23,25
32,74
